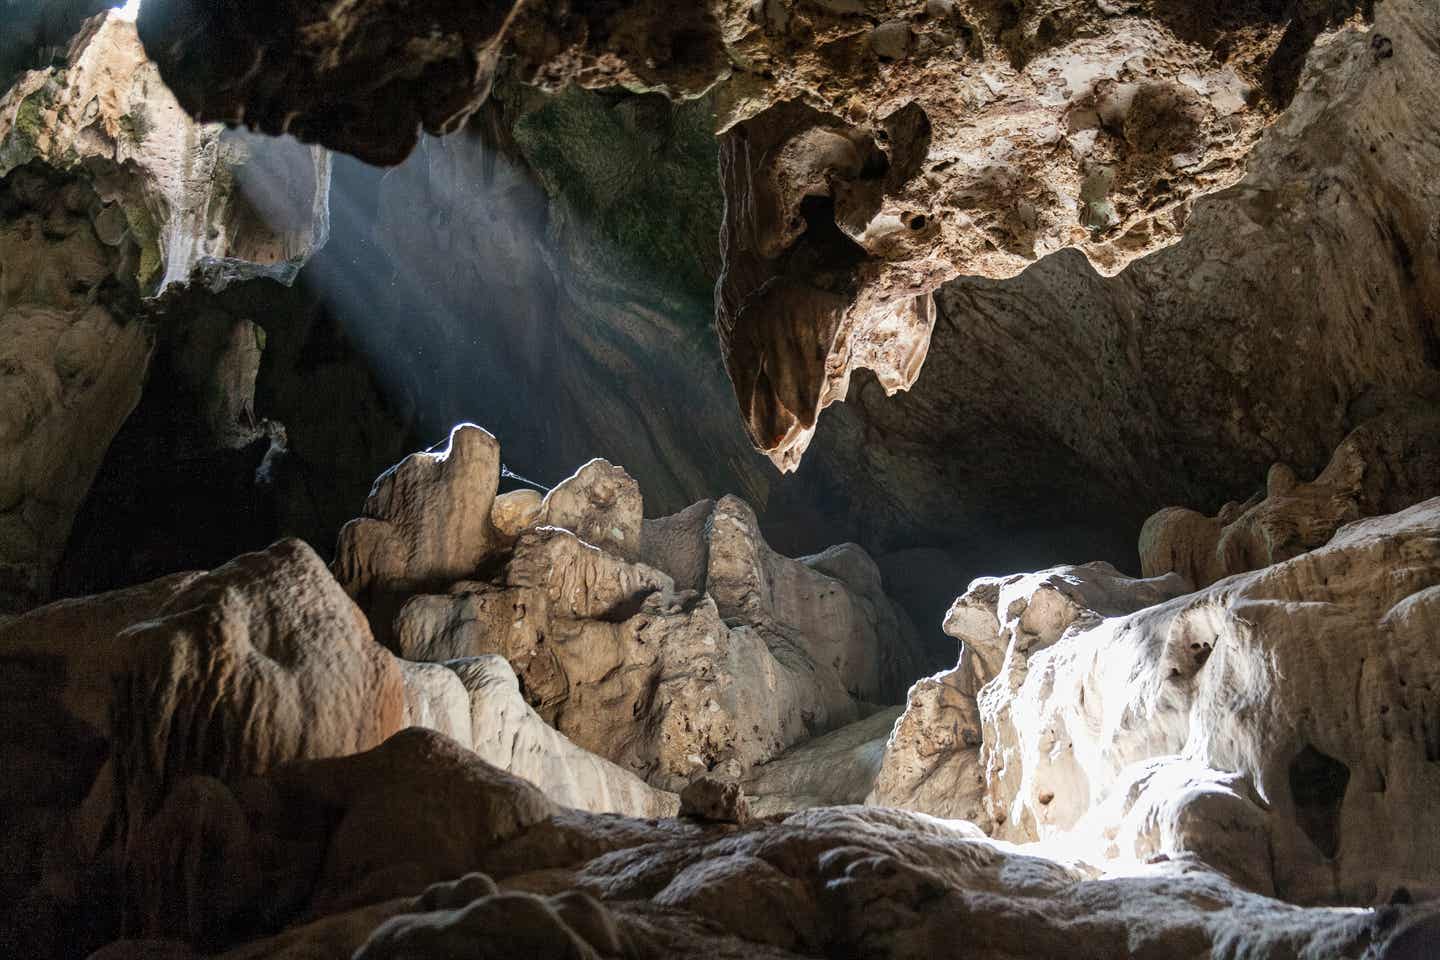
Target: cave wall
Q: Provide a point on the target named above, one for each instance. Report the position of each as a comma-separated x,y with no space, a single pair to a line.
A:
1300,303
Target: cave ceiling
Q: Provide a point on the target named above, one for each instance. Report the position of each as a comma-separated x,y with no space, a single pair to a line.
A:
869,151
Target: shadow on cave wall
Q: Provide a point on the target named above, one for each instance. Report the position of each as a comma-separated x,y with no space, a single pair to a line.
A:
548,274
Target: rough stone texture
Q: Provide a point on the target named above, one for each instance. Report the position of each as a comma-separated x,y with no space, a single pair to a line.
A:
835,768
508,733
425,523
871,153
757,653
843,881
944,755
830,606
109,190
875,161
1060,408
55,728
600,503
187,193
515,512
715,799
1381,467
268,647
429,69
614,660
1174,769
72,358
1288,710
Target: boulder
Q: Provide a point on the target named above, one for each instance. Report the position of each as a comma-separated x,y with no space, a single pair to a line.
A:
257,663
426,522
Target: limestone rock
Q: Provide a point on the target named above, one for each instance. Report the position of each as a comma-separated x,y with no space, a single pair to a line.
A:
653,47
426,849
108,192
426,522
260,662
1381,467
833,769
600,503
679,545
715,799
506,732
436,700
1060,408
945,756
72,359
416,810
55,699
662,688
1305,679
870,154
511,924
187,193
799,605
756,652
514,512
931,757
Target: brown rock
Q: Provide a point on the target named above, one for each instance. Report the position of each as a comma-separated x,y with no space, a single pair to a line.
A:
1381,467
712,798
260,662
426,523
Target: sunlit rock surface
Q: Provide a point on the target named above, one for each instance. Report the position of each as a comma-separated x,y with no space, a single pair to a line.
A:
738,654
1289,709
178,187
110,191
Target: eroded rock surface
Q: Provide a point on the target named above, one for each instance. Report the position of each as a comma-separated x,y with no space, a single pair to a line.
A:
843,881
749,653
1299,304
936,757
268,646
871,153
507,732
72,358
1381,467
186,192
110,191
1288,709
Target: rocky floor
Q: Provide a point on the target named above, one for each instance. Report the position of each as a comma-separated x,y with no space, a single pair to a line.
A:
515,726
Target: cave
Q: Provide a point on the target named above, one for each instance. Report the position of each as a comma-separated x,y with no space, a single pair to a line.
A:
781,479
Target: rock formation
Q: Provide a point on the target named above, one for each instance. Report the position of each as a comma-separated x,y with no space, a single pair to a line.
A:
726,662
1298,305
186,193
111,191
844,881
1150,722
1381,467
857,178
508,722
73,362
